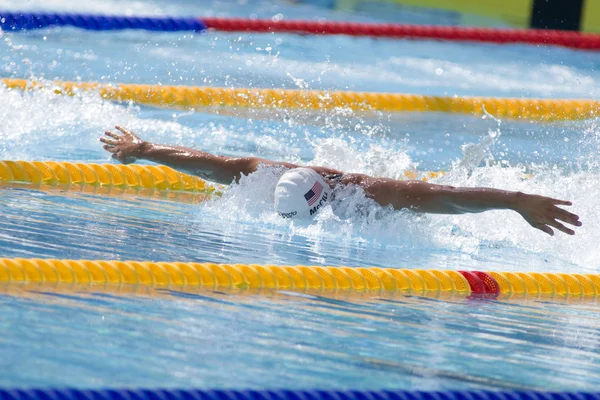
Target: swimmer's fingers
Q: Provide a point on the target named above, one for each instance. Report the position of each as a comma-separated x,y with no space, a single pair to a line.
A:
567,217
544,228
111,149
125,131
111,142
562,202
566,213
561,227
112,135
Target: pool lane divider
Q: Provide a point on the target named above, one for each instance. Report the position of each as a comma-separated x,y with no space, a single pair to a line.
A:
488,284
195,97
110,175
22,21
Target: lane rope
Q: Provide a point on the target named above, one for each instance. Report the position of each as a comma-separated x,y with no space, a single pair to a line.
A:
192,97
18,21
300,277
132,176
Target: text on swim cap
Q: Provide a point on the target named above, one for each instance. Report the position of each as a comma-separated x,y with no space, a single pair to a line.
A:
316,208
287,215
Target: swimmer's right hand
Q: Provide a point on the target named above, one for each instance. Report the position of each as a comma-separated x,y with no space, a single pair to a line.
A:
125,148
544,214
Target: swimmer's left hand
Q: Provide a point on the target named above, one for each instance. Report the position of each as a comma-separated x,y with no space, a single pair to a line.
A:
544,214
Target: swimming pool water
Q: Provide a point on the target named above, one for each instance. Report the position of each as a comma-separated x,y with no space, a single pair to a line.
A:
112,337
203,339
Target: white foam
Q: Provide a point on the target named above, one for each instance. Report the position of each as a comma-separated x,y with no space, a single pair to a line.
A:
36,121
377,160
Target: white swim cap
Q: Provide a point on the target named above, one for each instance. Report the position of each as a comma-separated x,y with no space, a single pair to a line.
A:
301,193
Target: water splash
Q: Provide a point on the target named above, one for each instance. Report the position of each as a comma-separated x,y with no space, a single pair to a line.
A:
359,221
475,154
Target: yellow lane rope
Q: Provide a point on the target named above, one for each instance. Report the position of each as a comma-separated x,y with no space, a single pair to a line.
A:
229,275
109,175
189,97
208,275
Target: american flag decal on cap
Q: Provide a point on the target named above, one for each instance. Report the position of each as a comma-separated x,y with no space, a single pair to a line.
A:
313,194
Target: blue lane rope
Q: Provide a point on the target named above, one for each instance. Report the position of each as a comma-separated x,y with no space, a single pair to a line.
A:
12,21
175,394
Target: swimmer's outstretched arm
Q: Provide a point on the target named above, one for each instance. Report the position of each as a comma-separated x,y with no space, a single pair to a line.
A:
128,147
540,212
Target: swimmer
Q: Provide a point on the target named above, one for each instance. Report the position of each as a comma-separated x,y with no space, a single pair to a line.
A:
302,191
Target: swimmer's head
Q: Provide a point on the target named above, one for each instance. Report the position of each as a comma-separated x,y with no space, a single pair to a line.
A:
301,193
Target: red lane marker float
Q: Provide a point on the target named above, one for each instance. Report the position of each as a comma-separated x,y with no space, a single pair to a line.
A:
482,283
491,286
530,36
477,286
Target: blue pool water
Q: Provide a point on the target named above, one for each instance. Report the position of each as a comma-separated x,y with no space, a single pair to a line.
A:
135,337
